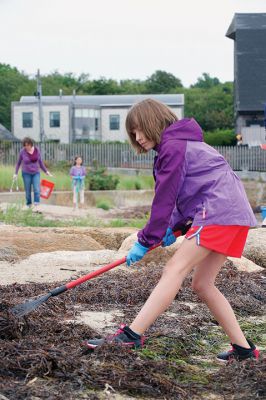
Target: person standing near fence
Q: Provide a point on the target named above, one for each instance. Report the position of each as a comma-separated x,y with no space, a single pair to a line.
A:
78,174
31,160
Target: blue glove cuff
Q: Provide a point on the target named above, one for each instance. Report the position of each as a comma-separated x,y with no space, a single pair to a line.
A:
142,248
136,253
169,238
169,231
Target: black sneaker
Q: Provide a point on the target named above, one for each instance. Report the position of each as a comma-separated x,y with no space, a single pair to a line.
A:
123,337
239,353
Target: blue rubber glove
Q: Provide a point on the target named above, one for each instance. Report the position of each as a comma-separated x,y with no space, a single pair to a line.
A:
136,253
169,238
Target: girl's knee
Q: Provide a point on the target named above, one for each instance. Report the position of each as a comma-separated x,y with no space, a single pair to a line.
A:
201,287
176,270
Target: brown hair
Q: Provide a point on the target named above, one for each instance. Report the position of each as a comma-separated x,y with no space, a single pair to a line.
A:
27,140
151,117
75,160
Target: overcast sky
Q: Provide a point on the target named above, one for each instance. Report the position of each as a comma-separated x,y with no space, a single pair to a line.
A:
121,38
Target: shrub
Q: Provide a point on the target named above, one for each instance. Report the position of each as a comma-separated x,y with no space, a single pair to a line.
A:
63,166
100,180
137,185
220,137
104,204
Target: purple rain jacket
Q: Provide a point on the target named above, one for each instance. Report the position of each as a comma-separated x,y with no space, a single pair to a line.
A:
30,166
193,182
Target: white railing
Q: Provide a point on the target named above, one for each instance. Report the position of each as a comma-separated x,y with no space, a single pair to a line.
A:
241,158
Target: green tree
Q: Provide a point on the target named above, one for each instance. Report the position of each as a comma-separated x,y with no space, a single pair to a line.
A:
68,82
13,84
132,86
212,108
102,86
220,137
162,82
206,82
209,101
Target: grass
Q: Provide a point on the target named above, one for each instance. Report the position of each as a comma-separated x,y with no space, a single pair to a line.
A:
16,215
175,353
133,223
255,331
104,204
135,183
62,180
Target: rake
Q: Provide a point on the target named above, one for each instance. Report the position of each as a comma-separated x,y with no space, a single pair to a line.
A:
25,308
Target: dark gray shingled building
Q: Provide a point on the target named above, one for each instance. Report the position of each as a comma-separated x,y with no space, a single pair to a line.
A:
249,34
6,135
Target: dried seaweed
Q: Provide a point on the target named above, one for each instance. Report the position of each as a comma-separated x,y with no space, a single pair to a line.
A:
42,355
247,381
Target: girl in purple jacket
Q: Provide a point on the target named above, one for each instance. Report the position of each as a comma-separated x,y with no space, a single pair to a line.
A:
78,174
197,193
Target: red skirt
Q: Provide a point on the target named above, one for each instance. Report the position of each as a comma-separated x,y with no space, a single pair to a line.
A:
226,239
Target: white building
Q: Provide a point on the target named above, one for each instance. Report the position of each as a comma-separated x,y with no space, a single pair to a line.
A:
73,118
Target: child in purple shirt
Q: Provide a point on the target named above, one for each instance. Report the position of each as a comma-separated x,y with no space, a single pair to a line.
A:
78,173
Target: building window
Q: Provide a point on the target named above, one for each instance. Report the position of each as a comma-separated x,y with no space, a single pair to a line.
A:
255,121
114,122
54,119
27,120
96,124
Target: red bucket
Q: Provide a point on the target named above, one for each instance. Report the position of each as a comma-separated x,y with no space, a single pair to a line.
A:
46,189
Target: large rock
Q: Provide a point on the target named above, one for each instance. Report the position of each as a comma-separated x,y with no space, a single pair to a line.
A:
255,248
159,255
245,265
111,238
8,253
163,254
27,241
55,266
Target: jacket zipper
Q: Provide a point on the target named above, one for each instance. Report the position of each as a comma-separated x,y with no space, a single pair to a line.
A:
203,211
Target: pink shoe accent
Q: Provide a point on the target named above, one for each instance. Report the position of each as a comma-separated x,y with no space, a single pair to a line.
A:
120,330
256,353
232,349
143,340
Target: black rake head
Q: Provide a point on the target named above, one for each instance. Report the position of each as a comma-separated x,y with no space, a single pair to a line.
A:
22,309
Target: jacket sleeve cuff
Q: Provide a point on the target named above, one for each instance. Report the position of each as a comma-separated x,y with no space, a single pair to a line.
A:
142,241
144,248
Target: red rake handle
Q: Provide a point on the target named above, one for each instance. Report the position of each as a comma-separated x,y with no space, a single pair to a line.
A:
107,267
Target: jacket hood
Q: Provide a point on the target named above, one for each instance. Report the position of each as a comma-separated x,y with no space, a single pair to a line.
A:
184,129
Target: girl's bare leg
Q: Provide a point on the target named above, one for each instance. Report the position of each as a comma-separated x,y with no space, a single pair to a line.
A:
203,284
75,198
81,196
177,268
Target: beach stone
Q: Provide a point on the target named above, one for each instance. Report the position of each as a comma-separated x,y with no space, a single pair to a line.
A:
55,266
245,265
255,248
159,255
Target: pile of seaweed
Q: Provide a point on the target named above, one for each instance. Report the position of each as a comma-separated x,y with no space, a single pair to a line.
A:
42,353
